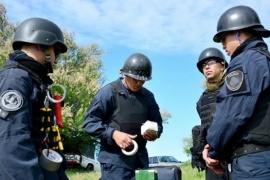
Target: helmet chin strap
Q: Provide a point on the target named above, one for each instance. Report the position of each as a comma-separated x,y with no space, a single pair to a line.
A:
238,38
48,63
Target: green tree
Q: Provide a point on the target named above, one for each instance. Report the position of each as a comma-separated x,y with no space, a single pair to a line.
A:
165,115
188,143
7,30
80,71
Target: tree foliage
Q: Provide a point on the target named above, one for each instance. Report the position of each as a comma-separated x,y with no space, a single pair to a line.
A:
80,71
188,143
165,115
7,30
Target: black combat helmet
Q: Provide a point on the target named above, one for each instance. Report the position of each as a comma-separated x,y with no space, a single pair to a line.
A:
39,31
138,66
240,17
211,53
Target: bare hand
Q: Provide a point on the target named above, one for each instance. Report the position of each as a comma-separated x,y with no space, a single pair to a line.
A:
213,164
150,135
123,140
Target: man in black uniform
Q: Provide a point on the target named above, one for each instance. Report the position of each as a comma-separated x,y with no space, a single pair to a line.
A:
116,115
240,130
212,64
26,129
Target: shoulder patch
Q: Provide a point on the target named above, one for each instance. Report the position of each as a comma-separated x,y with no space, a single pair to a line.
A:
11,100
234,80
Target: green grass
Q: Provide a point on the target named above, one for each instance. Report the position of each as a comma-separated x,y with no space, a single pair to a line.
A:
188,173
82,174
79,173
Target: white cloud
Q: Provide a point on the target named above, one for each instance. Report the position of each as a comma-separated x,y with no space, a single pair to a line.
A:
157,25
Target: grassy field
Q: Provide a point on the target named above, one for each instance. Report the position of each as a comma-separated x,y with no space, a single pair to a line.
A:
188,173
79,173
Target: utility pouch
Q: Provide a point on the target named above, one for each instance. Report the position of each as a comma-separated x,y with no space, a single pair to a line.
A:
199,133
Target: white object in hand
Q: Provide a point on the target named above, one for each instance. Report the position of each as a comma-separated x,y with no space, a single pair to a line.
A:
134,150
149,127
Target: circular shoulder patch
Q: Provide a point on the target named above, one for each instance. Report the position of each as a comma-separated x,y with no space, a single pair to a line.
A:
234,80
11,100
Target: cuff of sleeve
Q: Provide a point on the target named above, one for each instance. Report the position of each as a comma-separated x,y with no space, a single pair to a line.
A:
212,154
109,135
159,132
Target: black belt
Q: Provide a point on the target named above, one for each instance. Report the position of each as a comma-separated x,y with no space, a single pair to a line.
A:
248,149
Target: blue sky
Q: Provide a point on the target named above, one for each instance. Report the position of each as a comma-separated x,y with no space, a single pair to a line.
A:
171,33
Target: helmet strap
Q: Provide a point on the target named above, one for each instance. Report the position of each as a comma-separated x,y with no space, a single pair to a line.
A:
48,63
125,82
238,38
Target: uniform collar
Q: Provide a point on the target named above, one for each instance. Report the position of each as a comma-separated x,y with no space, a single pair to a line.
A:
248,44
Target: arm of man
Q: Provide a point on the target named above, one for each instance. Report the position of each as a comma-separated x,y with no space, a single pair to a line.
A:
212,163
18,154
102,104
155,116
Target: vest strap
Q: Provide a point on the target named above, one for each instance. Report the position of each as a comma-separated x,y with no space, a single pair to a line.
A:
262,51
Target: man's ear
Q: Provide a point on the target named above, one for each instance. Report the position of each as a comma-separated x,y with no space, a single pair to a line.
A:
223,66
